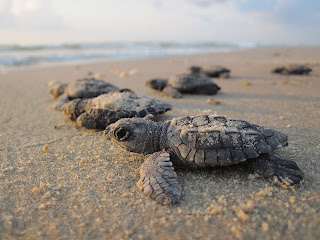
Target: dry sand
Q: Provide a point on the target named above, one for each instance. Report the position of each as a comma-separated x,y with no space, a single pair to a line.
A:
62,182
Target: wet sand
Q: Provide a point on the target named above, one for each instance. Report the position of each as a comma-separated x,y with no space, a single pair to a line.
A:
62,182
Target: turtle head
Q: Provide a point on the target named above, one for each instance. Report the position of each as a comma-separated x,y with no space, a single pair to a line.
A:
69,109
132,134
56,89
157,83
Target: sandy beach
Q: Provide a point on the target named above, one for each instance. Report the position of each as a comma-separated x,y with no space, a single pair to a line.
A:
80,186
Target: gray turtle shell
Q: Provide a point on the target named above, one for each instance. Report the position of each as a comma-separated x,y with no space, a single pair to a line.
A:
210,71
292,69
88,88
188,82
135,105
210,140
138,104
215,71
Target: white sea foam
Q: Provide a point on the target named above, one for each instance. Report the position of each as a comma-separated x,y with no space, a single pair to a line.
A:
15,56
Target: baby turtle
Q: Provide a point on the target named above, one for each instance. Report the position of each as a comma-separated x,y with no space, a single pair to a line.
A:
292,70
200,141
184,83
99,112
211,71
81,88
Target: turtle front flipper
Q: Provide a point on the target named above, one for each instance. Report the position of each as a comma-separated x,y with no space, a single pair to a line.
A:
271,166
158,179
100,118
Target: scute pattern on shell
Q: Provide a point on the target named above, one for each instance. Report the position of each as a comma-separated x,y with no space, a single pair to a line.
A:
292,69
88,88
139,104
99,112
211,71
186,82
215,140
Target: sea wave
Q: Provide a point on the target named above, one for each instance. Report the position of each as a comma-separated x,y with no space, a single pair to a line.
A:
14,56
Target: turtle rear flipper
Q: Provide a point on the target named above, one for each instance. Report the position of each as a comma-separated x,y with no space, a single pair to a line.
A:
100,118
271,166
158,179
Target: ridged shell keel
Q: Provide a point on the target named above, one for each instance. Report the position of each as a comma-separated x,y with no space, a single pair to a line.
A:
210,141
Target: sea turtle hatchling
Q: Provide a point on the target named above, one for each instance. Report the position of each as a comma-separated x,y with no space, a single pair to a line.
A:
81,88
214,71
292,69
200,141
184,83
98,112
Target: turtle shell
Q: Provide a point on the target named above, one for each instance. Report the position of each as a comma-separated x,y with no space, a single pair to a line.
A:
292,69
137,104
215,71
210,71
214,140
88,88
188,83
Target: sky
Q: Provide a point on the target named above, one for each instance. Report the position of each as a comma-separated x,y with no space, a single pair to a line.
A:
291,22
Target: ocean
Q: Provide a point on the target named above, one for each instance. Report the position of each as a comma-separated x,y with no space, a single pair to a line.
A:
20,56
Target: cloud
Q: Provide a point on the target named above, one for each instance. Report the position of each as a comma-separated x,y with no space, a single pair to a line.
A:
29,15
19,7
158,4
288,12
262,21
297,13
294,21
199,3
206,3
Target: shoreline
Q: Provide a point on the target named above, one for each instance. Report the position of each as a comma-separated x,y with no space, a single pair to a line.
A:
84,187
98,61
6,69
46,54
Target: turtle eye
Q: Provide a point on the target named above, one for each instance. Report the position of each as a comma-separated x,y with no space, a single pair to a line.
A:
122,133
